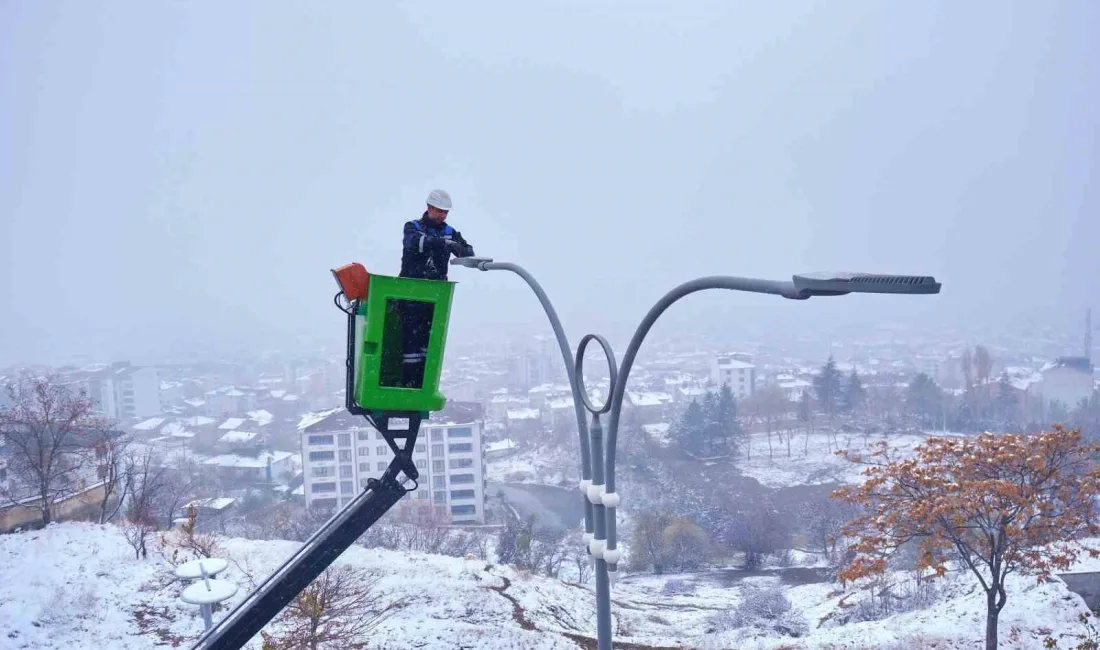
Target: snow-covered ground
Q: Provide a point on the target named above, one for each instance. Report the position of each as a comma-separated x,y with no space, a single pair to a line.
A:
548,465
78,586
814,461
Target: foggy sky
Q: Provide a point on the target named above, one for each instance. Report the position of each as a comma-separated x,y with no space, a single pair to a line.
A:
182,175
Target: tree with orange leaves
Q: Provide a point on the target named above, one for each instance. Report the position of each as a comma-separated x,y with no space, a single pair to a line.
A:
995,504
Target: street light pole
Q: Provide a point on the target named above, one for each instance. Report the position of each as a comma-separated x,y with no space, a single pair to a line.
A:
485,264
601,497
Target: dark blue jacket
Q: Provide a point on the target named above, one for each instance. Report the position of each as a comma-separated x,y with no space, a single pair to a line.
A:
426,254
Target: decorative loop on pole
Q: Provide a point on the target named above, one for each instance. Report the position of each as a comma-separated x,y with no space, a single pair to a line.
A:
611,366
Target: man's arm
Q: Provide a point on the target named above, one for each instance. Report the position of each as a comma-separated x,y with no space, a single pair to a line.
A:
415,240
463,249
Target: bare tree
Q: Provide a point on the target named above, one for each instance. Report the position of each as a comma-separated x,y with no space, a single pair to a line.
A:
48,428
337,610
112,455
147,479
756,530
181,482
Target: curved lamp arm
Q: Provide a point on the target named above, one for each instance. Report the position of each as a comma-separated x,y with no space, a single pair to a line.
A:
779,288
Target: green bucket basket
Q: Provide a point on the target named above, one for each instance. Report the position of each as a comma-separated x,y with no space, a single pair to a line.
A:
381,381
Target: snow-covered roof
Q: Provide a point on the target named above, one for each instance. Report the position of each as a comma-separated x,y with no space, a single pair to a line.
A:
648,399
310,419
734,364
560,403
215,503
523,414
278,393
235,460
149,425
238,436
500,445
658,429
195,401
290,398
198,421
261,417
231,423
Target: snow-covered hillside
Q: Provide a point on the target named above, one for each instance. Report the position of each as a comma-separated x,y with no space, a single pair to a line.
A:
78,586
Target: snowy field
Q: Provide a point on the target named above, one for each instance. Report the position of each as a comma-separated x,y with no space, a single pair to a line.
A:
78,586
545,466
814,461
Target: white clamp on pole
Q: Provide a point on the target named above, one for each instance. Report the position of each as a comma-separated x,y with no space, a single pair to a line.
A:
610,499
596,548
595,494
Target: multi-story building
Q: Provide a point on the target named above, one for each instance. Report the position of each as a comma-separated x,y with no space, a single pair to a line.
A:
736,371
121,391
341,452
1067,381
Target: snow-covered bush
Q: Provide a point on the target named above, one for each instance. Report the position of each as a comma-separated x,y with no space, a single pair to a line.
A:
677,587
764,610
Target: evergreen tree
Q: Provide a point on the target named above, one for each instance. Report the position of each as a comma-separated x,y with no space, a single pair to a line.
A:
689,429
1007,405
827,386
726,417
854,395
924,398
805,407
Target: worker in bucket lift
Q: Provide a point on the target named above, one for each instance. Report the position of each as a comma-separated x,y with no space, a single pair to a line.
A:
429,243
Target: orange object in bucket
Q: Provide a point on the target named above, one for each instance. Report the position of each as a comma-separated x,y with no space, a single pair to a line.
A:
353,279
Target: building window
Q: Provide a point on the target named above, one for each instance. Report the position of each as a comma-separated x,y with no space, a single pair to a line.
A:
323,504
461,432
345,439
382,466
381,450
421,464
462,494
421,448
345,455
323,487
364,467
317,456
421,495
464,510
364,435
320,472
320,440
440,497
364,451
437,466
363,482
347,487
461,463
462,479
437,450
437,434
345,471
439,482
460,447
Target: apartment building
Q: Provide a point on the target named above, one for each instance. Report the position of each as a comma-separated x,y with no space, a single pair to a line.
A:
736,371
120,391
341,452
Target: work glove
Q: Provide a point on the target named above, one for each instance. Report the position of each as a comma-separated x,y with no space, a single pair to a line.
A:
454,247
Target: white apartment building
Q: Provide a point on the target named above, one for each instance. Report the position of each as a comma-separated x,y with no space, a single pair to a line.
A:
121,391
340,452
735,371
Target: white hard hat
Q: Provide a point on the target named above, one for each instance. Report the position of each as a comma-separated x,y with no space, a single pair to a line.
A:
439,199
